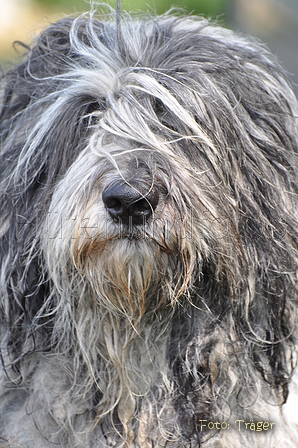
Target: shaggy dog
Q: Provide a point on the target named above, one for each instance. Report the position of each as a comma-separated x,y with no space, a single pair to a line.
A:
149,239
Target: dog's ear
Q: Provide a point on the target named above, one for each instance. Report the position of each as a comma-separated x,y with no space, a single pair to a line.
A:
39,141
26,81
28,91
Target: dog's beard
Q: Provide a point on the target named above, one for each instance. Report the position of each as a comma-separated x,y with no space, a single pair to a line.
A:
132,272
115,285
135,274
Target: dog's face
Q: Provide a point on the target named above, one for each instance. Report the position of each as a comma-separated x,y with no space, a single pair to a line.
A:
149,172
137,228
147,200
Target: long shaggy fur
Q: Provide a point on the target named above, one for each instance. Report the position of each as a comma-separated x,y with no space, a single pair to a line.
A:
180,332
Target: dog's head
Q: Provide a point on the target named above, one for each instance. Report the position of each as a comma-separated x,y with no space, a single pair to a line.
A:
147,167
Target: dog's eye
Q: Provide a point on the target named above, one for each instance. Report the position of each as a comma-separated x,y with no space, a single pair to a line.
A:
91,110
94,106
158,107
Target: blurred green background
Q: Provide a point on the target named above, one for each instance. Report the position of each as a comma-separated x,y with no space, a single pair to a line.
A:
273,21
159,6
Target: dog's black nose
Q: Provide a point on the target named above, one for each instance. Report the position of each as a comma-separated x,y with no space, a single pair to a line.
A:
132,200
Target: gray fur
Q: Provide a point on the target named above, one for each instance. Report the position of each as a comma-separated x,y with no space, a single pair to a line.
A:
114,336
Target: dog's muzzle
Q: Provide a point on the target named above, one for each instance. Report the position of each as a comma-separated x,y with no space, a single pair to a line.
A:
130,202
